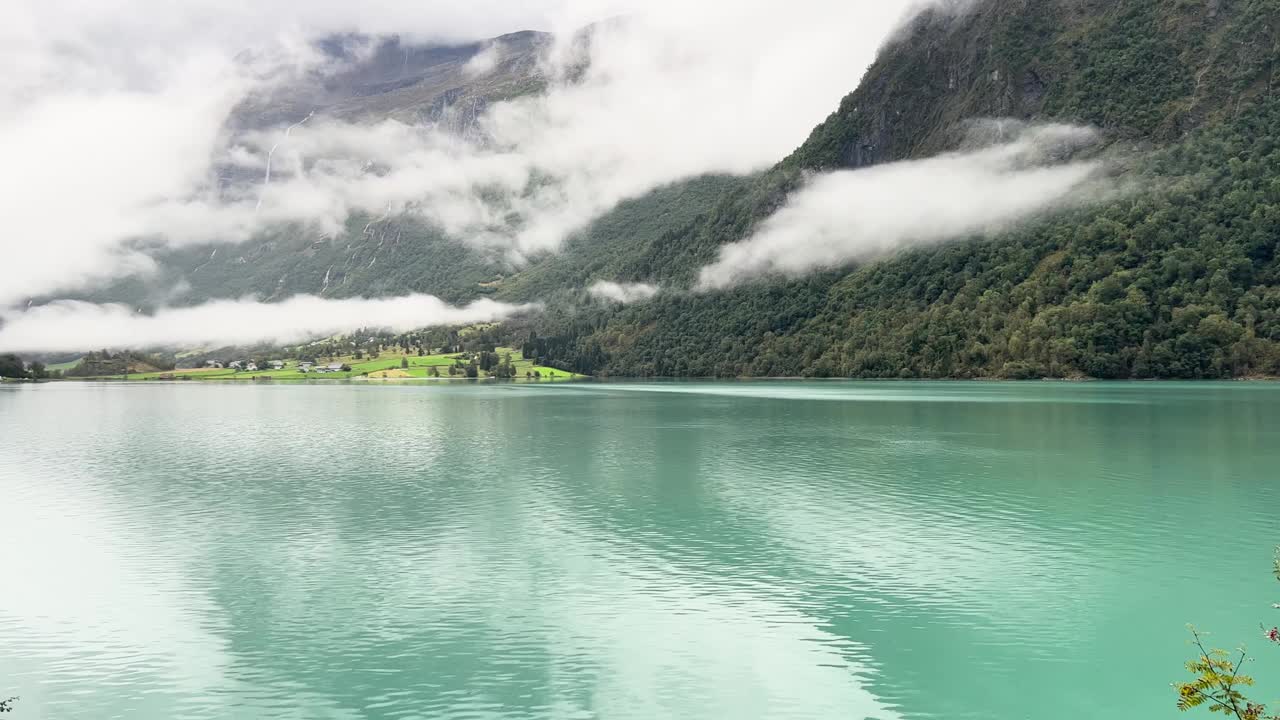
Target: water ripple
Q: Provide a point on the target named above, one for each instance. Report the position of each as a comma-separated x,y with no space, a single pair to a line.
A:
625,550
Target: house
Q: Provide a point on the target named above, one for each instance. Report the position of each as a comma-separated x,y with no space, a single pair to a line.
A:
235,365
251,367
333,367
277,364
212,364
305,365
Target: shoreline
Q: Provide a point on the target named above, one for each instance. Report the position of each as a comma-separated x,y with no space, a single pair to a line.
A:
631,378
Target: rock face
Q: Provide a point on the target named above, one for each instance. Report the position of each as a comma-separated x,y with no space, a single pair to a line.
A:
383,78
1136,69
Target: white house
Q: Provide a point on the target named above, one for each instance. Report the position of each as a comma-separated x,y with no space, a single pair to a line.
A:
235,365
251,367
277,364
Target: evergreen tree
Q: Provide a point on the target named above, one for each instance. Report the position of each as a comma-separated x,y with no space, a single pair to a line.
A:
11,366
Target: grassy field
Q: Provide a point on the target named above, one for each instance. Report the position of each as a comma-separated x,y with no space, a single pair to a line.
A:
386,366
63,366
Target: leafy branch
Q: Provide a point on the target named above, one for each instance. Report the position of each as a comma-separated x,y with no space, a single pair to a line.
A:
1218,682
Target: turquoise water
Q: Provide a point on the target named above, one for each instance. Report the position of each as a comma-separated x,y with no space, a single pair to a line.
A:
684,550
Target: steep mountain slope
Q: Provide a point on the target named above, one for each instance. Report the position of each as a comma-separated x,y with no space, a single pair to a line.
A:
1178,279
448,87
398,255
1138,68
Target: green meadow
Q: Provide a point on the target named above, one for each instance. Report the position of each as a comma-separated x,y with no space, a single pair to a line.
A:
63,366
385,367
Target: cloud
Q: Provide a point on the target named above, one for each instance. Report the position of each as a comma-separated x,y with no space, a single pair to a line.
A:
851,215
112,117
83,168
112,120
622,292
72,325
484,62
669,93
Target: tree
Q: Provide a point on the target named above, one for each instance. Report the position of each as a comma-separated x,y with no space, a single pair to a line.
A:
11,366
37,370
404,363
7,705
1218,683
472,370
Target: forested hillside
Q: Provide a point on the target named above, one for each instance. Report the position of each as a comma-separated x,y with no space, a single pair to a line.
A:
1176,278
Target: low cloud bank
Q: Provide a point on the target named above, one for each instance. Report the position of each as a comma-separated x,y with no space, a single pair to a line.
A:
112,120
622,292
664,94
852,215
74,325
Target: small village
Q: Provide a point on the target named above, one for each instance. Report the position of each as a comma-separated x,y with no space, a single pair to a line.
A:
499,363
304,366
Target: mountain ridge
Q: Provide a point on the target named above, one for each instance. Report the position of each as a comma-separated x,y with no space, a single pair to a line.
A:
1180,280
1137,287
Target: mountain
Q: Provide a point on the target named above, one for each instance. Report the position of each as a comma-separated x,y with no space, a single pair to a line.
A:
380,78
365,79
1178,277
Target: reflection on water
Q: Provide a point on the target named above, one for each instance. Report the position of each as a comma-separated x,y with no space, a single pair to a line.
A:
632,550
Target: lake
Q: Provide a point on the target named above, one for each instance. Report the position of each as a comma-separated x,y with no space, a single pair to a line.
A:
994,551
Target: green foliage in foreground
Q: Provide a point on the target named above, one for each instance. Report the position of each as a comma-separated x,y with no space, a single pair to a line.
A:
1218,683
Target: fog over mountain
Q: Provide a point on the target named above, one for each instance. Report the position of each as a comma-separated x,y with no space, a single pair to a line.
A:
849,215
120,109
71,325
140,125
